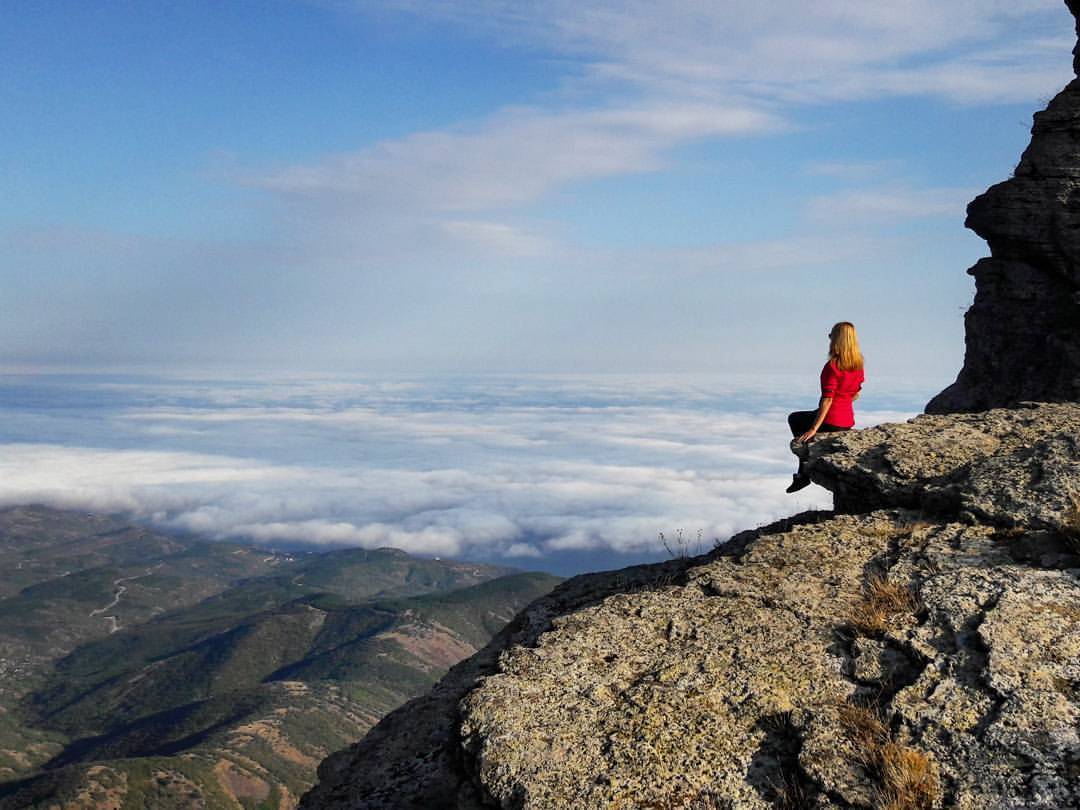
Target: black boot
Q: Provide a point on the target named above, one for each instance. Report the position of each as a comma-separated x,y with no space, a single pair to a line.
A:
798,481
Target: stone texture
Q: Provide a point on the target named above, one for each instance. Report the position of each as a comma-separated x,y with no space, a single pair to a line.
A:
663,697
718,681
725,680
1007,467
413,757
1023,329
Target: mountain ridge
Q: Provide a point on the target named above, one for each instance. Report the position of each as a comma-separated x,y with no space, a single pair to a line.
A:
213,674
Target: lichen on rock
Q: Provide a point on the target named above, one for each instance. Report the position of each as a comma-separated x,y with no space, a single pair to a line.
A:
1007,467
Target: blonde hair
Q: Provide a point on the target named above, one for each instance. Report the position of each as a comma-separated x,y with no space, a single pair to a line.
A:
844,347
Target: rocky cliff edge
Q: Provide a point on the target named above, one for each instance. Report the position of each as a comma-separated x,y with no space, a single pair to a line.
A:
920,650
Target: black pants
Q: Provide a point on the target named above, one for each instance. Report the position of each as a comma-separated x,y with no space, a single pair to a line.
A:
802,421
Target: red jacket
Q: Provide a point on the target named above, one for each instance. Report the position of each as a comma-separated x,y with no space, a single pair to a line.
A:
842,386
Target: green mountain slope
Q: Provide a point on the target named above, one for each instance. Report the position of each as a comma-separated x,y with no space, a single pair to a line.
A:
231,671
72,577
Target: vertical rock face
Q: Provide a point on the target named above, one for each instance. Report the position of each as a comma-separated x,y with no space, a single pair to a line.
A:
1023,330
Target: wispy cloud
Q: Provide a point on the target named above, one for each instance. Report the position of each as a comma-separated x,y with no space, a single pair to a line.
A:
644,79
785,50
888,205
513,158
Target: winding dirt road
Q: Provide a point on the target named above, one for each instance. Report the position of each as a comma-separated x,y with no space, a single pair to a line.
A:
114,622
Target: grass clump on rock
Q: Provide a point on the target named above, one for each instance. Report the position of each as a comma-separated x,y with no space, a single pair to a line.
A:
907,779
880,602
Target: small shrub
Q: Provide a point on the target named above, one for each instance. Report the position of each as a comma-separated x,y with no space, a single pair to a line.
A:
881,601
778,722
680,546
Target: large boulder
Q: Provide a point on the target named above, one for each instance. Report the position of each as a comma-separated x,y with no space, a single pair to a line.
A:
1005,467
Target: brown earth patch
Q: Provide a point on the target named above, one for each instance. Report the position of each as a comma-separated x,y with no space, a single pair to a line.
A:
436,646
238,784
269,732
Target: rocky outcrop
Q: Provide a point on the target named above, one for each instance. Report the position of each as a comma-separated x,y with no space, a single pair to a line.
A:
413,758
1005,467
922,651
1023,329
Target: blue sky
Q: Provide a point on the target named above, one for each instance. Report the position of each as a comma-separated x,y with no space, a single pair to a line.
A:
483,185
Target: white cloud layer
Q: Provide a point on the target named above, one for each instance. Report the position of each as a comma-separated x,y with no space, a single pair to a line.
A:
515,469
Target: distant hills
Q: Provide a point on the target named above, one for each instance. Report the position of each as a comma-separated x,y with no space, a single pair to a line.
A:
139,669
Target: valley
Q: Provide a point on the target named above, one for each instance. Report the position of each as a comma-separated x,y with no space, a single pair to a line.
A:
134,664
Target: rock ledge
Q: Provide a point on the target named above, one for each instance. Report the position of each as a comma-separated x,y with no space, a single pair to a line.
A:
939,626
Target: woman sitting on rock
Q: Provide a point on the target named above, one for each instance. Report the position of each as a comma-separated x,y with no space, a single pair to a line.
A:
841,381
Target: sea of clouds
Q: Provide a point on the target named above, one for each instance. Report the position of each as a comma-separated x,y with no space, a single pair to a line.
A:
562,473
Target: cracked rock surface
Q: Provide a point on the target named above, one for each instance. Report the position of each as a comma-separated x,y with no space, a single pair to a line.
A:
1007,467
732,680
675,696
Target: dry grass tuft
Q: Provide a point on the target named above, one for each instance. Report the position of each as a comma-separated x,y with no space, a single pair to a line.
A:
883,531
790,793
881,601
907,777
902,527
864,727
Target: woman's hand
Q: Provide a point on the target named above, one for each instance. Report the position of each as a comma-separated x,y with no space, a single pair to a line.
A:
823,408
